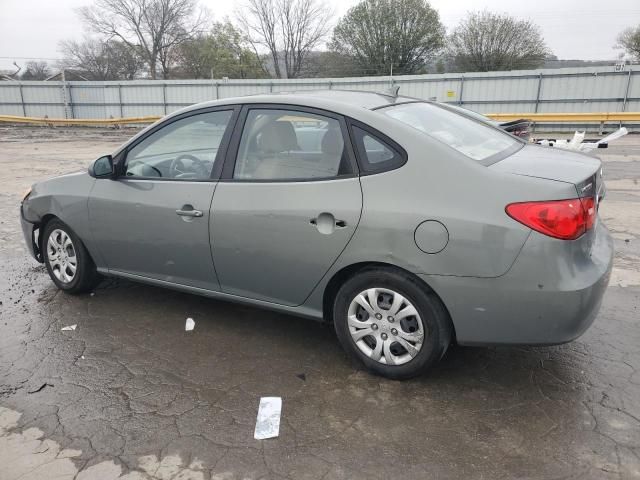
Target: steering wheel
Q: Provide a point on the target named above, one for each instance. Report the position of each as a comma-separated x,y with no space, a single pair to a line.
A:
197,169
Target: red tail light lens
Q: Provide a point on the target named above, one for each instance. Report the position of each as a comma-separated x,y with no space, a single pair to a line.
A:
563,219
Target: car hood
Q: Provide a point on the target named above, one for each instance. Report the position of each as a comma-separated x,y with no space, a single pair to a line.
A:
549,163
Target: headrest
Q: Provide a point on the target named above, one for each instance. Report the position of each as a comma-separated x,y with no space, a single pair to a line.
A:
278,137
332,142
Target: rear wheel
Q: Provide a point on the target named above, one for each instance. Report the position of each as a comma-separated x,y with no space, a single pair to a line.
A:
395,325
67,260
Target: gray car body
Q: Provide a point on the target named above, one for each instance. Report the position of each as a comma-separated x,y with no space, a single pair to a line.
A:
501,282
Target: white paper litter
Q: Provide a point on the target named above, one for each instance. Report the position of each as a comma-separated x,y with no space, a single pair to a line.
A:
268,422
69,328
189,325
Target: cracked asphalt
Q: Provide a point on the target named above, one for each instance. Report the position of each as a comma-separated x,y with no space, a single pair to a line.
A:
130,395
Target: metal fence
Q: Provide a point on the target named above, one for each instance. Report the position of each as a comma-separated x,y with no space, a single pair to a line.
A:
592,89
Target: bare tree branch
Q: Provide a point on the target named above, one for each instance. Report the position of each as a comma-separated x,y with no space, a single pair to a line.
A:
288,29
152,27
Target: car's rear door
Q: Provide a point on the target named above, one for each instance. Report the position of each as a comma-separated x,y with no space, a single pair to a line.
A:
287,204
153,220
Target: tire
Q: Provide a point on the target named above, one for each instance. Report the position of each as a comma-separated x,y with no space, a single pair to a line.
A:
60,248
395,334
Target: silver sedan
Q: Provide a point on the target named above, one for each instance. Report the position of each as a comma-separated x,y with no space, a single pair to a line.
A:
407,225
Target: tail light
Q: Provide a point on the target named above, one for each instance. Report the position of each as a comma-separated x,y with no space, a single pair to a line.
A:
563,219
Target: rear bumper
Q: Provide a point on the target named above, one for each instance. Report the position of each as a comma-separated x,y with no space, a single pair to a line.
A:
551,294
29,232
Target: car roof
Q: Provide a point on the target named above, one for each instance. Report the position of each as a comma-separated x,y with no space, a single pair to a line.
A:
328,99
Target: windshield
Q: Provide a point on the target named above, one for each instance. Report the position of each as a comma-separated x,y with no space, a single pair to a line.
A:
475,139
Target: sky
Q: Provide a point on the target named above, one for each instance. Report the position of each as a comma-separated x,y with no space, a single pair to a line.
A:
573,29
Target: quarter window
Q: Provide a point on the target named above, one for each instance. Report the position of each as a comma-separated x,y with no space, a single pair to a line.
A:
376,155
185,149
290,145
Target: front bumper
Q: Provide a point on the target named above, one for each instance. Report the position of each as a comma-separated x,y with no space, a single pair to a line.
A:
551,294
29,231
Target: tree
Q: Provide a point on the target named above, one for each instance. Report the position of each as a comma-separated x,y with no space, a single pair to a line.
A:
330,64
288,29
222,52
629,40
385,34
486,41
36,71
98,59
154,28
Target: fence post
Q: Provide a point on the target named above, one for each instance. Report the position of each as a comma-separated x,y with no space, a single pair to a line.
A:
217,91
626,92
461,89
120,100
24,109
164,96
538,94
66,98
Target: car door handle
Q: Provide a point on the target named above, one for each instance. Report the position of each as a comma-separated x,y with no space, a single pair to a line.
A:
326,223
185,212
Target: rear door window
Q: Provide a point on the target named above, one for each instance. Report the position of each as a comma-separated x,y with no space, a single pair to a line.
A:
290,145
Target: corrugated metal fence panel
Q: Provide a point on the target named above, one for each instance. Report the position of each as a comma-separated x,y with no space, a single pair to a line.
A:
43,99
11,102
592,89
88,100
183,94
593,86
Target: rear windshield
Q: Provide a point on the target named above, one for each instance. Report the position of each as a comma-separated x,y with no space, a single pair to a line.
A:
475,139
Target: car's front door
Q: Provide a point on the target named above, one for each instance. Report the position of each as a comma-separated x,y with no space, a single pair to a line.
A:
288,203
153,220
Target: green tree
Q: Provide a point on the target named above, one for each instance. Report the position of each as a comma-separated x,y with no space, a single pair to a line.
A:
381,34
222,52
629,41
486,41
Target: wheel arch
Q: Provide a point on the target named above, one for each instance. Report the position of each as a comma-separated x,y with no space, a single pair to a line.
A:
342,275
41,226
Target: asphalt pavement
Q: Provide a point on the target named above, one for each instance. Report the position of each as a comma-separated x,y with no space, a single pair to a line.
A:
130,394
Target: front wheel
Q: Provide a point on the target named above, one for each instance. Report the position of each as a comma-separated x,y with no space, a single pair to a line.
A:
67,260
395,325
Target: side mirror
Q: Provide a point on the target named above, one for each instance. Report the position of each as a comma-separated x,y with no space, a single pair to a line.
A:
102,167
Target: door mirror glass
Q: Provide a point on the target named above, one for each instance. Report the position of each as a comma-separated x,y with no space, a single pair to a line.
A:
103,167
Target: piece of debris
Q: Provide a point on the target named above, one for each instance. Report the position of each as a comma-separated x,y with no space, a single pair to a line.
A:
92,294
302,377
69,328
189,325
268,421
40,388
579,143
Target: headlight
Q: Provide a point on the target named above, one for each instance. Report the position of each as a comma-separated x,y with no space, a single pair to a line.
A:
26,193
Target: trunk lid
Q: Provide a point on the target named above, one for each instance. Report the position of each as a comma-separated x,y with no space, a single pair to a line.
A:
552,164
